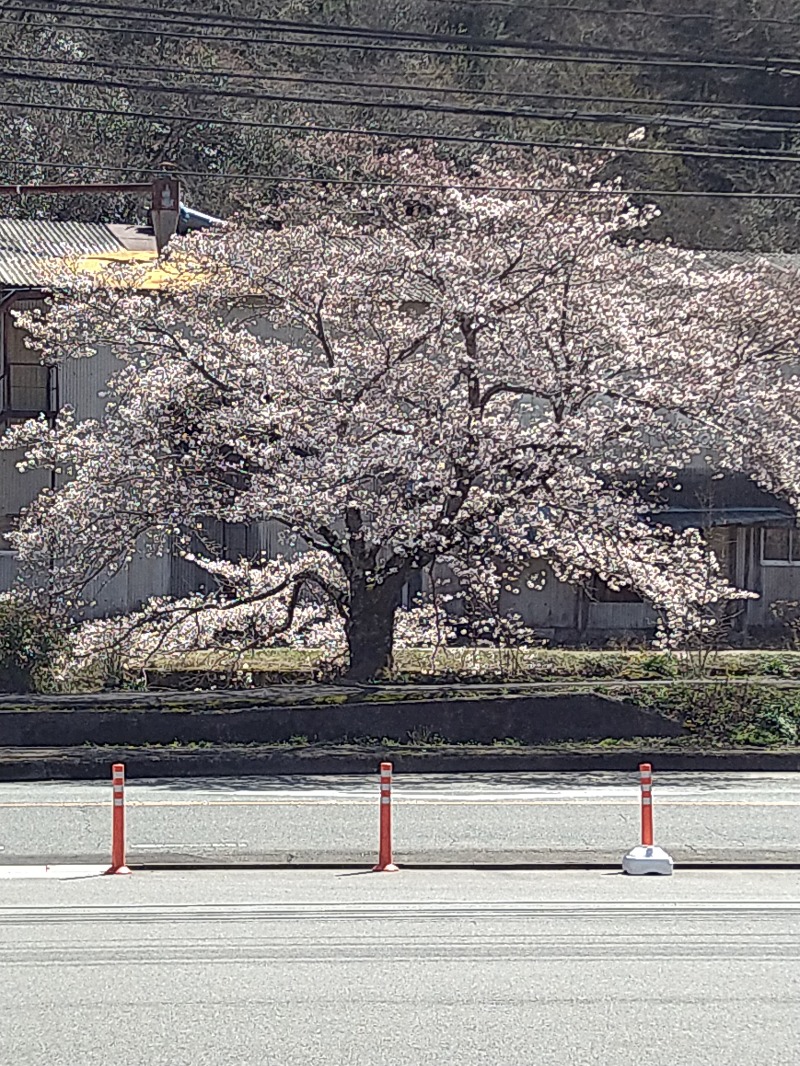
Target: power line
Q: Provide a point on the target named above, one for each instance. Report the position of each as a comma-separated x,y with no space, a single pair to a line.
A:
605,12
305,27
603,118
680,151
154,28
407,135
33,164
294,179
313,79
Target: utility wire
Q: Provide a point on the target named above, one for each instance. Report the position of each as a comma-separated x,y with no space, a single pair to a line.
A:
220,20
292,179
153,27
257,96
606,12
406,135
313,79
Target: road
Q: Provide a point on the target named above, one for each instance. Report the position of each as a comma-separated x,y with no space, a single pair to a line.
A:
419,968
513,818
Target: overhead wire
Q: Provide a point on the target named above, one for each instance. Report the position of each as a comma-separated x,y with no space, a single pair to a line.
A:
718,152
606,12
154,27
217,19
589,117
401,135
314,79
300,179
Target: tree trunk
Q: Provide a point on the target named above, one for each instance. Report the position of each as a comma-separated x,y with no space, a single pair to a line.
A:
370,629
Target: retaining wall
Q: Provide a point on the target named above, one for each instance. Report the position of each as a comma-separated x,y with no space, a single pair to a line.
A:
71,721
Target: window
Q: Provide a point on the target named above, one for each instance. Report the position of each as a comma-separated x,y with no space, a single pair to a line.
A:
780,547
26,385
7,523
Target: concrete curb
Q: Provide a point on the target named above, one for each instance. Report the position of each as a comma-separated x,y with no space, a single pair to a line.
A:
466,859
366,868
93,763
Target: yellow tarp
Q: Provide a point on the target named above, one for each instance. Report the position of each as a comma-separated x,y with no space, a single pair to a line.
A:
160,276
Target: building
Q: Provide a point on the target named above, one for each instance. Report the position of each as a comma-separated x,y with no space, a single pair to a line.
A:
754,534
29,389
755,539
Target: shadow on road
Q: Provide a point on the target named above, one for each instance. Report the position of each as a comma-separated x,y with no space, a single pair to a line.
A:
466,782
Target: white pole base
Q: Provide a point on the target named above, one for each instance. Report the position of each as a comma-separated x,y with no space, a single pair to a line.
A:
647,860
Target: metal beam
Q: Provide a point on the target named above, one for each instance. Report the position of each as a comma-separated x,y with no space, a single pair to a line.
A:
16,190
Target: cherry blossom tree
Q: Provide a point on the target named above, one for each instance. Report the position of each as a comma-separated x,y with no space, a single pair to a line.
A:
444,367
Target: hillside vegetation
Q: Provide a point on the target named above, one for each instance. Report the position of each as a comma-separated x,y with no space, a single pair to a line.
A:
107,92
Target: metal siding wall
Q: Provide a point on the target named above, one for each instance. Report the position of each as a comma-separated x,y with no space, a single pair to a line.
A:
18,490
619,617
148,576
778,583
80,381
743,569
551,607
105,596
273,537
145,577
186,577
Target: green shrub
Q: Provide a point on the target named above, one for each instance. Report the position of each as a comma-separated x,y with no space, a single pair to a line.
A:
30,641
756,736
775,666
729,713
768,728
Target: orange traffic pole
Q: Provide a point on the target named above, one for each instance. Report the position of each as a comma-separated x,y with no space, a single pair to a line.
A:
646,782
118,865
385,864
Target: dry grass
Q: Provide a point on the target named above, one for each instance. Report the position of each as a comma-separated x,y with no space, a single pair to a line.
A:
534,664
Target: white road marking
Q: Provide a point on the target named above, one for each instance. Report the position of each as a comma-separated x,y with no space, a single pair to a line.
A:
54,873
293,799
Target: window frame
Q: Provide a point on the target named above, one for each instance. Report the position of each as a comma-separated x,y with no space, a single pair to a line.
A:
6,552
793,534
9,411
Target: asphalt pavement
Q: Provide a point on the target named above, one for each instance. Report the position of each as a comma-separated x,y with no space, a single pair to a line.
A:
489,819
419,968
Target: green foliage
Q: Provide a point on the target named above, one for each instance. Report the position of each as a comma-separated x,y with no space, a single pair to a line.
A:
87,137
729,713
30,641
776,666
769,731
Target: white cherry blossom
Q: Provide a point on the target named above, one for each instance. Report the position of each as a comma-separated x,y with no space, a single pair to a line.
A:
402,378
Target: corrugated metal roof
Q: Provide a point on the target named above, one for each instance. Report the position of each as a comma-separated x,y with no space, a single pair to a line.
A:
26,246
137,238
